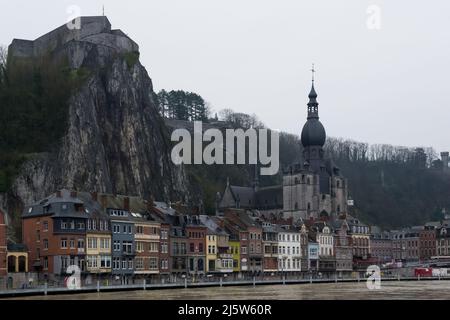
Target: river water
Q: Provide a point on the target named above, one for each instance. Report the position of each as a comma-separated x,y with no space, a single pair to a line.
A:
330,291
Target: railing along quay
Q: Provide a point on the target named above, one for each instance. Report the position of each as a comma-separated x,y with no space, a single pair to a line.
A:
45,290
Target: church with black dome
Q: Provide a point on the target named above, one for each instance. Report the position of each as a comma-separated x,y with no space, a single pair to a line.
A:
313,188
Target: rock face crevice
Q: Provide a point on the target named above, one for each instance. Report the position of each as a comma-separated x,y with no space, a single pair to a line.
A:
116,142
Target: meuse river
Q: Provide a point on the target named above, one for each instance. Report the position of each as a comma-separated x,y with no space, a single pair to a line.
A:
389,290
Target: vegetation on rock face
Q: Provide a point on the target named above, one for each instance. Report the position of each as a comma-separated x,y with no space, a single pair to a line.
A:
131,58
34,96
182,105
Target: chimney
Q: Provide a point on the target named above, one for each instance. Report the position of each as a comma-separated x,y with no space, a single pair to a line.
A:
444,158
126,203
94,196
58,194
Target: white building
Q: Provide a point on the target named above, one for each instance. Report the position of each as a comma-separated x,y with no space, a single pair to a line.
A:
326,242
289,250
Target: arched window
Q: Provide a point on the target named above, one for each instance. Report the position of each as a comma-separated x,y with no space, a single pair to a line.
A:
309,206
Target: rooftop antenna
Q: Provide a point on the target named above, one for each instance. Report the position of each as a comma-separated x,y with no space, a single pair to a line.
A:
313,71
103,10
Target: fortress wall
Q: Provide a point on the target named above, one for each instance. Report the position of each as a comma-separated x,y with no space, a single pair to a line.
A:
120,43
62,35
21,48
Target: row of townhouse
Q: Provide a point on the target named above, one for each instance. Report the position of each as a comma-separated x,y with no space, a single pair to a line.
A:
121,238
414,244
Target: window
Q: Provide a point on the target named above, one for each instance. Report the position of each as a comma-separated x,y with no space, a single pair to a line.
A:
116,245
191,247
130,264
45,263
104,243
45,225
80,243
164,234
139,230
164,264
116,263
116,228
38,235
153,263
45,244
200,247
124,229
92,243
127,247
92,262
124,264
164,247
63,225
153,247
63,243
105,262
72,243
139,263
130,230
139,247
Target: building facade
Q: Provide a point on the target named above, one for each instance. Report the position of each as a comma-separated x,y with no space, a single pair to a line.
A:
123,244
3,245
289,250
54,231
427,242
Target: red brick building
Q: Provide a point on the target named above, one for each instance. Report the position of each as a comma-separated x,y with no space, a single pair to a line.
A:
196,244
427,243
251,238
3,244
54,231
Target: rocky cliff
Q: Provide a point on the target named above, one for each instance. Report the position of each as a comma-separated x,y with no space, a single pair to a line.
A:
115,141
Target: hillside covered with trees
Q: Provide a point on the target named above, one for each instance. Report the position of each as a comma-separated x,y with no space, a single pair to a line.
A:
392,186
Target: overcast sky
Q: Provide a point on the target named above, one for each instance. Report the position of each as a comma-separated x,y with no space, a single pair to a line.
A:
386,85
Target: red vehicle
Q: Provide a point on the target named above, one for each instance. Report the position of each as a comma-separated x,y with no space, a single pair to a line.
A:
423,272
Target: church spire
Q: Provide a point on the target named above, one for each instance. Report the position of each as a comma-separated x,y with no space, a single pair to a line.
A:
313,105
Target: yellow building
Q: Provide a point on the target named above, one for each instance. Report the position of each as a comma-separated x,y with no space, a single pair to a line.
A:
98,245
211,252
235,251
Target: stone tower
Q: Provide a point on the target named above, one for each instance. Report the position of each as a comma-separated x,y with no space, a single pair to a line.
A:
313,134
444,158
